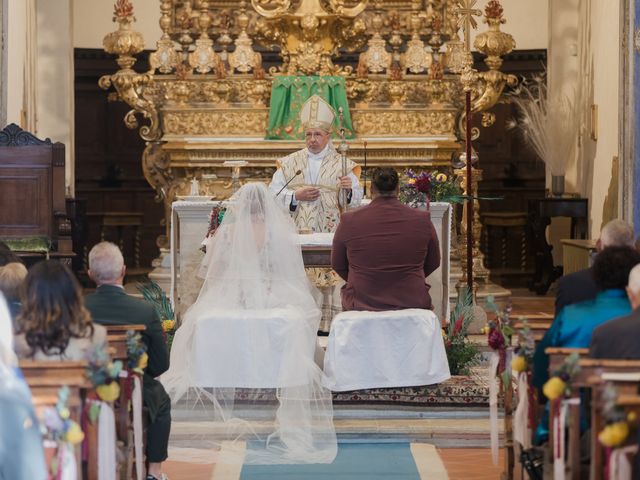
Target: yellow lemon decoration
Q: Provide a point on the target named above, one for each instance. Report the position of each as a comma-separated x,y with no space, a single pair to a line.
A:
167,325
632,417
143,361
614,434
74,434
109,392
64,413
519,363
411,181
554,388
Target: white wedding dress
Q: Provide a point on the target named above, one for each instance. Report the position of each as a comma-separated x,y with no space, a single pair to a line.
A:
245,349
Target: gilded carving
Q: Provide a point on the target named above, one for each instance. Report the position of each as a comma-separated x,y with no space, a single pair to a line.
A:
404,123
216,123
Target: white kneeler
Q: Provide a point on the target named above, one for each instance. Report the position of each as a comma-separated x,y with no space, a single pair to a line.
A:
400,348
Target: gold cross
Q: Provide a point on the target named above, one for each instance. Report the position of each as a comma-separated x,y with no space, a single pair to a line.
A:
467,11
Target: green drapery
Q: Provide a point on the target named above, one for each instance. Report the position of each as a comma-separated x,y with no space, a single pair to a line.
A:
289,93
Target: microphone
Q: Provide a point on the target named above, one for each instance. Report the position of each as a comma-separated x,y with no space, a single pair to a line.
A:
290,180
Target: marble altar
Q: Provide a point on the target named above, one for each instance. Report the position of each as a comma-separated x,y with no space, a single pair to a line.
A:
189,224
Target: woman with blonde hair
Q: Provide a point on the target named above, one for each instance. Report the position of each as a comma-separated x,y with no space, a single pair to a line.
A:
54,323
12,277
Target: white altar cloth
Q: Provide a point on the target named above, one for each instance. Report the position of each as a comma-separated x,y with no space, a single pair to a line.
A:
400,348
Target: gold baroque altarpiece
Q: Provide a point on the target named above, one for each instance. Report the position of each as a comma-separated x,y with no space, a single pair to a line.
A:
206,97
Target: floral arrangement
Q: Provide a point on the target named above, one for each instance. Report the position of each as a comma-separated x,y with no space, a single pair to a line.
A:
58,431
153,293
424,187
523,354
215,219
499,332
559,385
616,429
103,374
137,358
461,353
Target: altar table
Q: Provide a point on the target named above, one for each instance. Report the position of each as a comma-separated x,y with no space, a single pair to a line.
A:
189,225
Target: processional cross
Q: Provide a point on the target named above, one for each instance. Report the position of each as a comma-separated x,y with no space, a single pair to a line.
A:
467,21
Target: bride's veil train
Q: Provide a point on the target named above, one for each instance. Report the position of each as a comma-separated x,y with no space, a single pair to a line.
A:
243,357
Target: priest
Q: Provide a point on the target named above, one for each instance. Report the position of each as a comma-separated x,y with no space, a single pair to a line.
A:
308,183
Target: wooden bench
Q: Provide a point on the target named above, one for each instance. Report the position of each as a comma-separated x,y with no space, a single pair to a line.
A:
588,376
46,378
537,323
117,338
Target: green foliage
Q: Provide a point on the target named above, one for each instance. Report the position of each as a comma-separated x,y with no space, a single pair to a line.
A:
152,293
461,353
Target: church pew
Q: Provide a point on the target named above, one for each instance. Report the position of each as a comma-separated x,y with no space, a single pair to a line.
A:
537,323
589,373
45,380
626,380
117,337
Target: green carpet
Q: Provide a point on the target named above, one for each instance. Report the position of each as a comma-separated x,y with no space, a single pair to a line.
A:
354,461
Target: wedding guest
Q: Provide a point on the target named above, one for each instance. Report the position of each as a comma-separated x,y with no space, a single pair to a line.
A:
7,256
574,325
580,286
21,452
12,278
110,305
54,323
619,337
385,250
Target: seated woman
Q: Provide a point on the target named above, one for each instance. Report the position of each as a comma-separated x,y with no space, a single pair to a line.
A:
575,323
21,452
254,326
53,323
12,277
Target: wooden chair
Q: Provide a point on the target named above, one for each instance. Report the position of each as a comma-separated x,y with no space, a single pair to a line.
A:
32,192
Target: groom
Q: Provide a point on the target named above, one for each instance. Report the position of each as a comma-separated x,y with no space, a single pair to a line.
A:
312,194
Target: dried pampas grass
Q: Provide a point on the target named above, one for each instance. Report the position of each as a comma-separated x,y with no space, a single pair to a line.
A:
549,124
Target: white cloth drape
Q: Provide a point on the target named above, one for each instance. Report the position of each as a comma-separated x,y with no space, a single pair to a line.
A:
620,464
521,429
106,443
136,401
493,406
397,348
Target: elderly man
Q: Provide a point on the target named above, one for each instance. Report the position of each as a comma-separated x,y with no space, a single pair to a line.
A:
580,286
618,338
308,183
111,305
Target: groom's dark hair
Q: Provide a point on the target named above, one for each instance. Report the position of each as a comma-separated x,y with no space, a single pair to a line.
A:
385,180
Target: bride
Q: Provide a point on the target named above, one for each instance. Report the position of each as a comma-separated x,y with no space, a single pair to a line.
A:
245,348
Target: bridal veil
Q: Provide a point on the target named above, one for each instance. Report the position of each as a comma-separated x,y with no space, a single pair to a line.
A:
243,356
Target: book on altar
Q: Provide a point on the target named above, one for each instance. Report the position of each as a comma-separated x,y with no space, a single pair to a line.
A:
316,239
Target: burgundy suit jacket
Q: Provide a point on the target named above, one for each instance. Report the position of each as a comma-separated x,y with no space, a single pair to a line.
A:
384,251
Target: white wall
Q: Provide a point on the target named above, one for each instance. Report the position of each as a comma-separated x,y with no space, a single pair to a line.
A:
16,57
527,21
94,19
55,86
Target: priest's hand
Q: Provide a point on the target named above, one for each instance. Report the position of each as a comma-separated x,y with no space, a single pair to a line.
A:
307,194
345,182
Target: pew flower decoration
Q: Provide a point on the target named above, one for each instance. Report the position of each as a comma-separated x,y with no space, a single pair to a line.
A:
616,429
103,374
523,354
499,332
461,353
57,425
153,293
137,358
419,189
559,385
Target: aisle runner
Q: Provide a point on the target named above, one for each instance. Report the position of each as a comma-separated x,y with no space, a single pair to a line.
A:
355,461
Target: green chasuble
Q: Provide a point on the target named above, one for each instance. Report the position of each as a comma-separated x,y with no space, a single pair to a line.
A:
289,93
